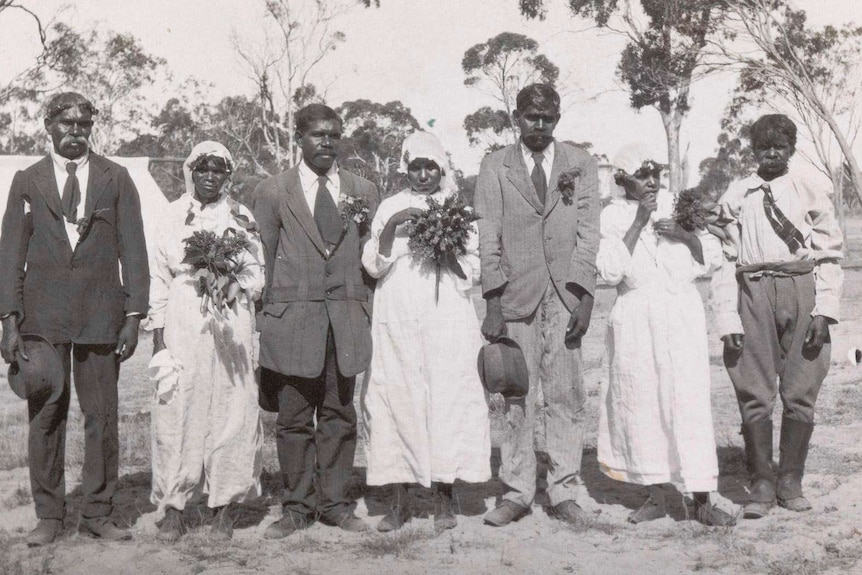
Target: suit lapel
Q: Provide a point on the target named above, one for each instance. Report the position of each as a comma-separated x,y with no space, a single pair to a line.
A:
46,183
345,188
561,162
298,206
98,181
517,175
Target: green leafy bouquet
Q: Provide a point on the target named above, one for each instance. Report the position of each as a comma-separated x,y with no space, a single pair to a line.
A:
439,234
215,260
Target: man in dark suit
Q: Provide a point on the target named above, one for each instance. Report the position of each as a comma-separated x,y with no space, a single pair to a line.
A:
315,329
71,220
538,208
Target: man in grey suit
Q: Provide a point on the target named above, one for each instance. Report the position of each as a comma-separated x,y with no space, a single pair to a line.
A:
538,204
315,333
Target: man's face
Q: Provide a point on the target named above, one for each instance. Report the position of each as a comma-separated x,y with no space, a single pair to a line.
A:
772,154
537,126
70,130
319,144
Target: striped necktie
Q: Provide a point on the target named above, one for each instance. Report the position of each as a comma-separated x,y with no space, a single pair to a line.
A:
779,222
538,176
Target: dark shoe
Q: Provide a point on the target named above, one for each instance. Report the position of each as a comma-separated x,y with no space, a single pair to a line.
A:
444,515
103,528
570,512
347,521
795,437
756,510
712,516
397,516
222,527
285,526
649,511
45,532
172,526
507,512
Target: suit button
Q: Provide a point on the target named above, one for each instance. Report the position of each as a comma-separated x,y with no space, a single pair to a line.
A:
329,291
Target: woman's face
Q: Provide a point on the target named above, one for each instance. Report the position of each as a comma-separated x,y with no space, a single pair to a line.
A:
209,176
424,175
643,182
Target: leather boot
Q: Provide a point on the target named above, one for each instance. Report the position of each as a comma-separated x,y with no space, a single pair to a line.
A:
795,436
399,511
758,451
444,514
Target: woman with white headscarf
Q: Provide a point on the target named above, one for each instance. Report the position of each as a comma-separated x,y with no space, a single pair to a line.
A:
424,404
206,430
655,417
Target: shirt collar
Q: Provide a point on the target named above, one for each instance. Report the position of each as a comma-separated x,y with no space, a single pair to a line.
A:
307,175
61,162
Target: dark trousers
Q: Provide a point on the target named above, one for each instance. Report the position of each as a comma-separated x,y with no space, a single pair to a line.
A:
316,461
776,314
96,370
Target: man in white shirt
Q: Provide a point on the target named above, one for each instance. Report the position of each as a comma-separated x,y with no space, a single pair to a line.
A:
70,219
775,298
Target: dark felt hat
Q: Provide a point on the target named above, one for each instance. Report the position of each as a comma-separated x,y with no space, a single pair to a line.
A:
267,391
41,376
503,369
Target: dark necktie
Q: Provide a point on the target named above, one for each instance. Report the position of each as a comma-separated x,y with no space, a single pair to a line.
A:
71,194
779,222
326,215
538,176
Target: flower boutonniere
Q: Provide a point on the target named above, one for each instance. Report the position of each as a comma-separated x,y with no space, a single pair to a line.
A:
85,222
354,209
566,184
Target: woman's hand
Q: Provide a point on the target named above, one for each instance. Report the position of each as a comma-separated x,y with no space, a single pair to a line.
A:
646,207
387,236
668,228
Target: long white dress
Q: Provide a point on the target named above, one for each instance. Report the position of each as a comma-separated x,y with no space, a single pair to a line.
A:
208,428
655,418
424,404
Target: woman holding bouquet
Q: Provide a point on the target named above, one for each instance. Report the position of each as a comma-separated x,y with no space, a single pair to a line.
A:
655,418
207,273
424,404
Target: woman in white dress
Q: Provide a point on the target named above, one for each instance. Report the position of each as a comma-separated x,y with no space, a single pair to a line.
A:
206,429
655,418
424,404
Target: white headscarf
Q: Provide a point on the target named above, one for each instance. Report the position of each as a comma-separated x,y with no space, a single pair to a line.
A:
426,145
629,159
206,148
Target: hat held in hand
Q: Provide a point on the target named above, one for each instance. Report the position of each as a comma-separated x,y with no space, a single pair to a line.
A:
40,377
502,368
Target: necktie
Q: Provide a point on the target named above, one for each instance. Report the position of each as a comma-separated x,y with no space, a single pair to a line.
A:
326,215
71,193
538,176
779,222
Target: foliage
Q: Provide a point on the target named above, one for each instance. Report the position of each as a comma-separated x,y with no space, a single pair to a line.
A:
733,161
216,261
500,67
372,139
689,210
812,74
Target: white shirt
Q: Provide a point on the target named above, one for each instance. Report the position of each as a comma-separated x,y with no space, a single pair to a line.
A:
547,160
308,180
61,176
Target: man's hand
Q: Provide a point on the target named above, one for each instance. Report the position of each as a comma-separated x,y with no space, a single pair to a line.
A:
817,334
11,342
127,341
732,342
494,326
580,320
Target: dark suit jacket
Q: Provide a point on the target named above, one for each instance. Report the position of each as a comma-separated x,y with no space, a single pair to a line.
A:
73,293
306,290
524,244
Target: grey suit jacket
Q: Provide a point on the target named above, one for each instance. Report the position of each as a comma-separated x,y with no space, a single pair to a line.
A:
308,290
523,244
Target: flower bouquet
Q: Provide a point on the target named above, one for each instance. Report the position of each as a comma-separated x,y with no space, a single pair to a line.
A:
216,263
691,211
439,234
355,209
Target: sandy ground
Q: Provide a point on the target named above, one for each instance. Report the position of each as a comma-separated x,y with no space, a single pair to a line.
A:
827,539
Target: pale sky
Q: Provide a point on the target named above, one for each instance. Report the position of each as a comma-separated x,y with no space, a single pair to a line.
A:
411,50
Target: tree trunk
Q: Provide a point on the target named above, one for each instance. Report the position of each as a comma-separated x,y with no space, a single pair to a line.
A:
672,122
847,150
